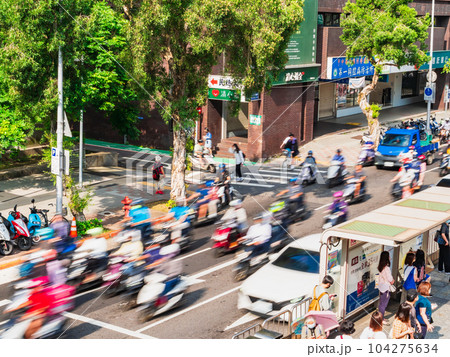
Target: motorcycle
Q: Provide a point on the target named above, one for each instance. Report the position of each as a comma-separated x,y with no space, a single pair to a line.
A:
367,155
6,246
36,220
225,238
333,219
336,174
21,235
153,299
349,191
208,164
308,173
290,211
443,136
444,167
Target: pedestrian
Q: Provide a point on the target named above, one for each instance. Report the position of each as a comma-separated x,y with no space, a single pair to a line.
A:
411,298
385,282
444,253
401,328
158,175
239,158
290,144
375,328
346,329
410,275
208,141
312,330
424,308
322,300
419,263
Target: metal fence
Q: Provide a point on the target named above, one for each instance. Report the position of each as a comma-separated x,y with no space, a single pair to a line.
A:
280,323
250,331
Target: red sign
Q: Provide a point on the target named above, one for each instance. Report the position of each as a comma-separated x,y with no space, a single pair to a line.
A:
199,110
215,92
214,81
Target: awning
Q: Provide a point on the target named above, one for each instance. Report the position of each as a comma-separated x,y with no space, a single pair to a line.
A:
399,221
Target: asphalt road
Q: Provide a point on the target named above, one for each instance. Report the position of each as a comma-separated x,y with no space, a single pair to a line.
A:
210,305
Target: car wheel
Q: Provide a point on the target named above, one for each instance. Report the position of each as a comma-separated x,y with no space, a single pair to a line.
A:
241,274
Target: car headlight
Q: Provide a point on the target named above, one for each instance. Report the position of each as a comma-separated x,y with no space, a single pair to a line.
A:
377,153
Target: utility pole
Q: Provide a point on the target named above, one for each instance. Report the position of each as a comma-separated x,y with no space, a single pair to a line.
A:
80,173
430,69
60,135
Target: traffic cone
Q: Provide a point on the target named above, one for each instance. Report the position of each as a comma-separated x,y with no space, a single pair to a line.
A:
73,228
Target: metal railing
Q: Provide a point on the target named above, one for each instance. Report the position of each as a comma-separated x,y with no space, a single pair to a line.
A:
250,331
300,309
280,323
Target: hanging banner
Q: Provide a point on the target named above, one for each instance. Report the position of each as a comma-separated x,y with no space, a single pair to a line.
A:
363,262
224,94
355,83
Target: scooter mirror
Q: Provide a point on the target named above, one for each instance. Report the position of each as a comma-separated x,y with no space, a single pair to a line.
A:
32,201
15,208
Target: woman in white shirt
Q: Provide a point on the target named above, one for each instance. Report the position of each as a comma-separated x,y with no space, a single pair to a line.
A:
239,157
375,329
385,280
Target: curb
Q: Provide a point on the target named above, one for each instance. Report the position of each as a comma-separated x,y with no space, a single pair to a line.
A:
22,171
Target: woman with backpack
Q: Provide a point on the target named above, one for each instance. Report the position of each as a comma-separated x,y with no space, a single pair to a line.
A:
240,158
158,175
410,276
419,263
385,282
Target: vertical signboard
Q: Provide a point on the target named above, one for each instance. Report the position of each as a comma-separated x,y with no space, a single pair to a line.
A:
302,45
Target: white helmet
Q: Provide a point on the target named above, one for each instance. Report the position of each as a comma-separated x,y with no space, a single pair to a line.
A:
172,249
235,203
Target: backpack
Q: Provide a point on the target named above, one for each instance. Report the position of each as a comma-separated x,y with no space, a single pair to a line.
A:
243,155
409,280
315,305
156,173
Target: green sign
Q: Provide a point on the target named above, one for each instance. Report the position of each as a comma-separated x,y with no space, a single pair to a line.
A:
297,75
302,45
255,119
440,58
224,94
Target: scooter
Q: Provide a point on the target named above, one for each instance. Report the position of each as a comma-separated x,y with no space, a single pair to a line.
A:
6,246
35,221
396,191
333,219
153,300
308,173
21,235
367,155
208,165
444,167
225,238
290,210
336,174
349,191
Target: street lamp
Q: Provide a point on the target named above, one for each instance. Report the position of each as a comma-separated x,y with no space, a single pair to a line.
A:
430,69
80,170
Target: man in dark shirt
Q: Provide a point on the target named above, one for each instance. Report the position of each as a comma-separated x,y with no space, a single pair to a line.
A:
411,298
444,252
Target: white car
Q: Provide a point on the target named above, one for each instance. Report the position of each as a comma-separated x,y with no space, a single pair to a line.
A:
290,275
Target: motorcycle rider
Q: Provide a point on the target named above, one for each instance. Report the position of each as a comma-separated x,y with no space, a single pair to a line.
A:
446,126
339,206
199,152
237,214
202,196
224,178
61,229
295,192
181,214
290,144
311,160
405,177
171,268
423,168
96,249
340,158
259,235
360,176
131,247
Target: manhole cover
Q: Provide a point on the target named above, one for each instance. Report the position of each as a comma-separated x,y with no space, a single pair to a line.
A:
106,213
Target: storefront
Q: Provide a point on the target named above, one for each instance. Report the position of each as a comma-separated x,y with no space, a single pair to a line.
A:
351,251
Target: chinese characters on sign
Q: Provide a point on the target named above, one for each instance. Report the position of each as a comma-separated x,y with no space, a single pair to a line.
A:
223,94
223,82
341,68
294,76
255,119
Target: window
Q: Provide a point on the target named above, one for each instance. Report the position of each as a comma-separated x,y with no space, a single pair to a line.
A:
398,140
328,19
299,259
346,97
410,84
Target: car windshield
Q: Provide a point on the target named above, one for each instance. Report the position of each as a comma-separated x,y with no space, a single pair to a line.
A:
445,182
299,259
400,140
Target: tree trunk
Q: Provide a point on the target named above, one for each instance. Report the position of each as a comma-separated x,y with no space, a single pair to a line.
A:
178,163
374,125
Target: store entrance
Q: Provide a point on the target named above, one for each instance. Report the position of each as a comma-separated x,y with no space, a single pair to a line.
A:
234,124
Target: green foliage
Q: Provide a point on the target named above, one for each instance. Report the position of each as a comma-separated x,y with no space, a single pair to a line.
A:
83,226
446,68
79,198
170,204
375,110
385,31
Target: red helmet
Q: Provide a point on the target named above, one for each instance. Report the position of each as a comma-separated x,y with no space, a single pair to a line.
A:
412,147
421,157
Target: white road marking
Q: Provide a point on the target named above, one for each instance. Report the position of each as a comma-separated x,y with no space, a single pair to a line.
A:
281,175
192,254
107,326
88,292
436,168
214,268
252,184
243,320
4,302
188,309
319,208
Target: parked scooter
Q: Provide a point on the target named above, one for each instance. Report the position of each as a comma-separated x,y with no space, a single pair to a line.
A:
36,220
350,189
336,174
21,236
6,245
208,165
444,167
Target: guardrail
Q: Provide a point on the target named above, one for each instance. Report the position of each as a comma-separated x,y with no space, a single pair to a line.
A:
280,323
250,331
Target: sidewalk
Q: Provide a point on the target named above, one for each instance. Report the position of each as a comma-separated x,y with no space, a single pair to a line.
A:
441,296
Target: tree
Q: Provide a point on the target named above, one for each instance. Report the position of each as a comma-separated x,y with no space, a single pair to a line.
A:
176,43
387,33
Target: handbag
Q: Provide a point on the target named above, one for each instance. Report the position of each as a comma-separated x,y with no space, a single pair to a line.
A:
392,288
438,237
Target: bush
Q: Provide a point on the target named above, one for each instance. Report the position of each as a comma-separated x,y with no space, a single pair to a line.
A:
82,227
170,204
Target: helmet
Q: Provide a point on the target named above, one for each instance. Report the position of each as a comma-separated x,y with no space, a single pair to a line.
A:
338,151
170,250
421,157
412,147
236,202
157,158
222,165
209,183
338,194
310,152
200,141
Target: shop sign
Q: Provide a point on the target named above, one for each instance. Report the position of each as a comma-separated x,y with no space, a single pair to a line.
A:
255,119
340,67
440,58
223,94
362,268
297,75
223,82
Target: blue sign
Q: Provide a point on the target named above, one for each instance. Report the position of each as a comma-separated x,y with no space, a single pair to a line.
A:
53,152
428,91
359,67
255,96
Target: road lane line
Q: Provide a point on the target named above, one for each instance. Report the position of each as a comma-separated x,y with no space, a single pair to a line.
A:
4,302
107,326
319,208
214,268
88,292
192,254
253,184
188,309
436,168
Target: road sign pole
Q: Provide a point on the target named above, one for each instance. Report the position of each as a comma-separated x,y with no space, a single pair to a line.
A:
60,135
430,67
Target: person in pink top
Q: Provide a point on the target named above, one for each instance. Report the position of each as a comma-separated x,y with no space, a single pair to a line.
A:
385,281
